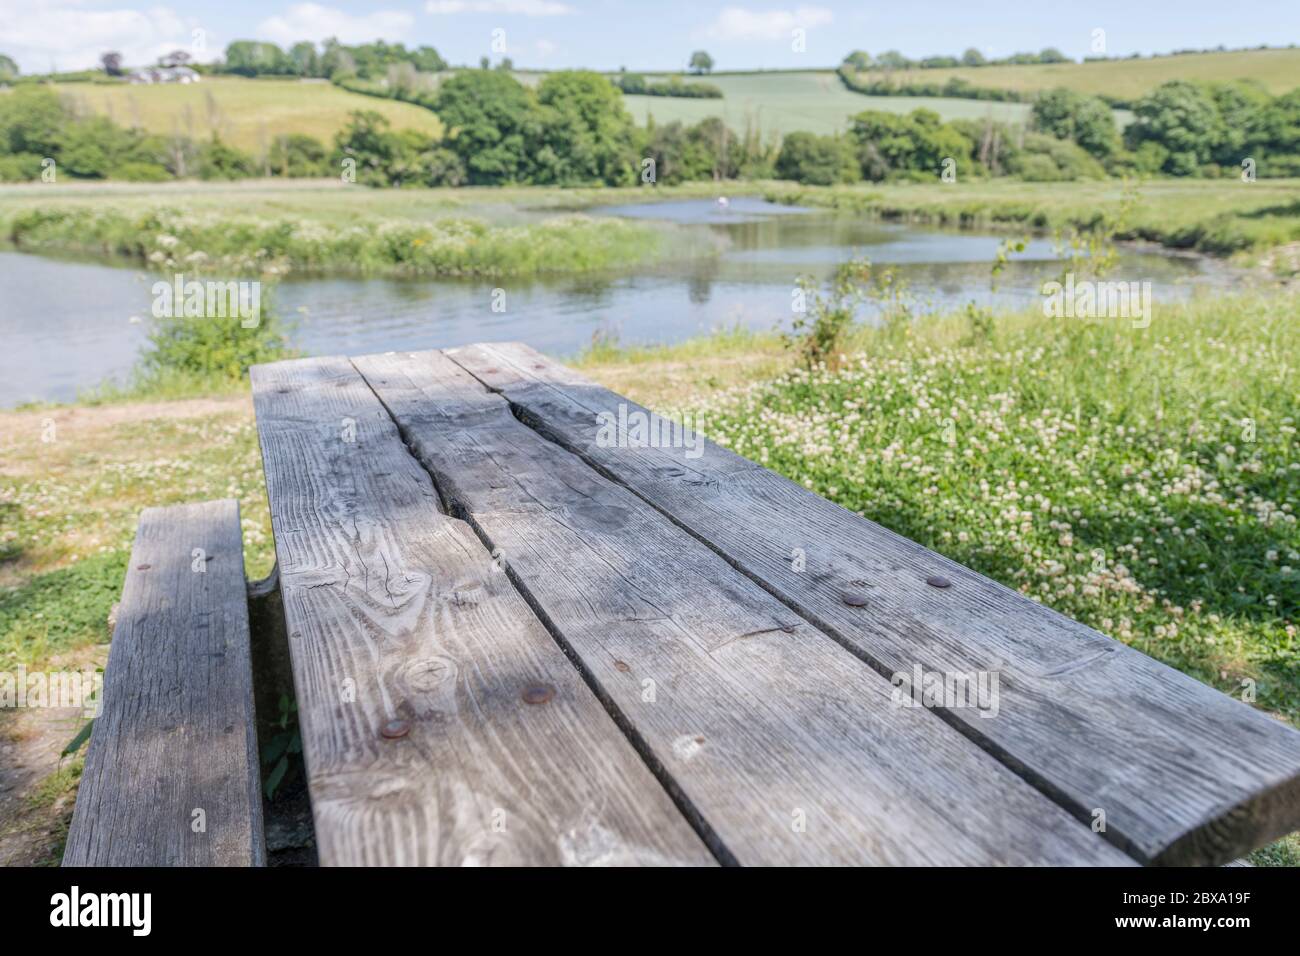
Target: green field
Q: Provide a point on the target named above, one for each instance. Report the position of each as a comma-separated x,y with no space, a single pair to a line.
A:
246,113
815,101
1277,70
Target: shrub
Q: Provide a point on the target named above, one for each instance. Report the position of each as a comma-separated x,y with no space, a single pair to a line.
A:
1084,119
1045,158
216,351
20,168
137,172
816,160
217,160
920,141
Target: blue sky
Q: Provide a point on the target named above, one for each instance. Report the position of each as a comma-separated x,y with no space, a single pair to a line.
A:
639,34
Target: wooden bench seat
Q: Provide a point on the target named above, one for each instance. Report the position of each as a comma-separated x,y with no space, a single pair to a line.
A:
171,776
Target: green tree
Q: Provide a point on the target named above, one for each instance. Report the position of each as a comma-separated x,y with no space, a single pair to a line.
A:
305,60
1182,118
335,60
1085,119
973,57
859,60
8,69
587,135
427,60
893,60
816,160
1280,124
297,154
97,148
32,119
1244,108
918,142
256,58
678,155
701,62
218,160
493,122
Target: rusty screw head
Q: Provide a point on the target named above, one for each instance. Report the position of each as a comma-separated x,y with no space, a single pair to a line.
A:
538,693
854,598
396,728
938,581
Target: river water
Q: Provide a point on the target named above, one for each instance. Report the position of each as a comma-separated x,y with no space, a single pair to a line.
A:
68,325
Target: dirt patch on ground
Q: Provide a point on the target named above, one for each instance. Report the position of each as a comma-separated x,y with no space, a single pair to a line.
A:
37,784
87,423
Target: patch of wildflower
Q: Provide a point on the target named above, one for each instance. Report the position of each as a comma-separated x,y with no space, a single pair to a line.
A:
1145,486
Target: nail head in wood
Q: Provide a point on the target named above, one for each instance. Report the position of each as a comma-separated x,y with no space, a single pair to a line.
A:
538,693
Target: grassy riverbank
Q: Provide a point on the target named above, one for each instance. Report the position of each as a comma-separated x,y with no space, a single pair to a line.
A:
325,227
1143,481
328,227
1220,216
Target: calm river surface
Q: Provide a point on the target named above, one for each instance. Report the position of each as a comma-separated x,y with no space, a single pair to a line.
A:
68,325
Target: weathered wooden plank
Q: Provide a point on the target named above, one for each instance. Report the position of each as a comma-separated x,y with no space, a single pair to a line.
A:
171,776
786,747
440,722
1183,773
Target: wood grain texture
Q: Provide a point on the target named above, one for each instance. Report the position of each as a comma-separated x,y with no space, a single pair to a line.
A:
1184,774
171,776
785,747
396,613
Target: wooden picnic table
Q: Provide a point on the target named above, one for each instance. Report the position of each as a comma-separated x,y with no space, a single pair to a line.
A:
514,642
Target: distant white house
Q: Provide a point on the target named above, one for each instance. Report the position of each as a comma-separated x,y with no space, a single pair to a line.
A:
165,74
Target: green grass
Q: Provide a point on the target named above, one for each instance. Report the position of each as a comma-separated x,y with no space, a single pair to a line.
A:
70,508
816,101
246,113
171,238
1277,70
1219,216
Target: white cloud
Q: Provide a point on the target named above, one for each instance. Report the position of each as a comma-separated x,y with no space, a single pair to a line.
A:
526,8
71,35
741,23
311,21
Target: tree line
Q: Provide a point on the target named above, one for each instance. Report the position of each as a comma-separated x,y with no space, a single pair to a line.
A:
573,129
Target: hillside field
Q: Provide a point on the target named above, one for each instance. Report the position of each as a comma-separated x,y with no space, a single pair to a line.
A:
815,101
247,113
1278,71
